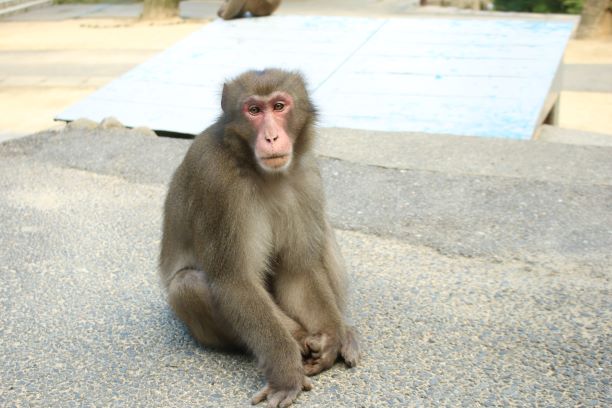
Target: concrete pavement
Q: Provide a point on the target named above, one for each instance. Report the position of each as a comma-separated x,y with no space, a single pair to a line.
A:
480,268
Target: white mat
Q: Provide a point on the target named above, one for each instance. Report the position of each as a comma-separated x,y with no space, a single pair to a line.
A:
464,77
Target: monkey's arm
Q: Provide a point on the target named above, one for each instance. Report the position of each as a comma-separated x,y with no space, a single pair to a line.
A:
320,307
234,266
248,307
316,309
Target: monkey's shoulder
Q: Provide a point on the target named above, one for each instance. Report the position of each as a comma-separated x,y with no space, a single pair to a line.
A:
204,144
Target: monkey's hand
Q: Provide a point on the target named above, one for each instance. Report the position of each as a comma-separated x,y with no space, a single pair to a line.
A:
281,397
323,353
300,335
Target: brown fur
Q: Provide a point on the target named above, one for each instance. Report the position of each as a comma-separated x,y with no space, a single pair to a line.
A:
248,257
237,8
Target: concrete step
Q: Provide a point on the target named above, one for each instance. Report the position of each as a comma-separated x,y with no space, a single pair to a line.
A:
556,134
587,77
10,7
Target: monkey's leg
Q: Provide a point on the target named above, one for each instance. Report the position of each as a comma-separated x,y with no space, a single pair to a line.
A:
260,8
248,306
315,298
338,280
307,297
189,297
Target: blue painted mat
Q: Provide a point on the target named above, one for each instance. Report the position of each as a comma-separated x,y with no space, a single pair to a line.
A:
453,76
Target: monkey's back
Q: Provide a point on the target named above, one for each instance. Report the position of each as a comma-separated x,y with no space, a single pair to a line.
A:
190,188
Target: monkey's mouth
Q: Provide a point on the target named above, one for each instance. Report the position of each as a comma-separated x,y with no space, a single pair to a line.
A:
275,161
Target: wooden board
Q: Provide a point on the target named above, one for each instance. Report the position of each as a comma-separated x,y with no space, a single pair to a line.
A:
485,77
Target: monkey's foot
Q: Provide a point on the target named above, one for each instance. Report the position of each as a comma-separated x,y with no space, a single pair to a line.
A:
323,353
280,398
350,350
300,335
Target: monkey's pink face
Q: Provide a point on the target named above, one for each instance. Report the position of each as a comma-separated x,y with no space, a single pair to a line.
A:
269,115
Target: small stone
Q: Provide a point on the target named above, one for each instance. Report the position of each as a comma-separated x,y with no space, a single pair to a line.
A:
145,131
82,123
111,123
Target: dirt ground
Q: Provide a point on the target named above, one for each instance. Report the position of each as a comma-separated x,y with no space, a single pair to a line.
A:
590,111
49,65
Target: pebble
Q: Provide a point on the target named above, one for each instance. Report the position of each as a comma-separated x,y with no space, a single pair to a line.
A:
145,131
110,123
82,123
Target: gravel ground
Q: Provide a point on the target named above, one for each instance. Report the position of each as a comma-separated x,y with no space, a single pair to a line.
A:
468,290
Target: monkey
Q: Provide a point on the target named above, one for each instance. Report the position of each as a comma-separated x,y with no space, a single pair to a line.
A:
248,257
237,8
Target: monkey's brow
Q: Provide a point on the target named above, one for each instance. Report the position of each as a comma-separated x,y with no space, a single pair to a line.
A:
270,96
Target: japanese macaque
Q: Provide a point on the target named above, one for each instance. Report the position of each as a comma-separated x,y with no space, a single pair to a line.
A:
248,257
237,8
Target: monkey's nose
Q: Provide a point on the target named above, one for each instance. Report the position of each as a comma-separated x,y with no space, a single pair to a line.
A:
271,138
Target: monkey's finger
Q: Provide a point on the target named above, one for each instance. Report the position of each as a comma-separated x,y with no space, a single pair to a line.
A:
306,384
304,350
312,355
283,399
260,396
313,368
289,399
274,400
314,344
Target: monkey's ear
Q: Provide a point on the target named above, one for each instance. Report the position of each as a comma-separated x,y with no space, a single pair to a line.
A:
225,98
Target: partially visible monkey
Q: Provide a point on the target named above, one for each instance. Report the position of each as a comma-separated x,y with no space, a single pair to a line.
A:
248,257
237,8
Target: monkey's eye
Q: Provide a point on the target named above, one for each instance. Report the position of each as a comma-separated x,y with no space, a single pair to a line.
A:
279,106
254,110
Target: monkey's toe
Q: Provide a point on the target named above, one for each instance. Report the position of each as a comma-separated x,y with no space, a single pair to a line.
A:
312,368
314,343
314,365
282,399
260,396
350,355
350,350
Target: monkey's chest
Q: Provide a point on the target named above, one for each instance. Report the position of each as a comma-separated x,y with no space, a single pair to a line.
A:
293,229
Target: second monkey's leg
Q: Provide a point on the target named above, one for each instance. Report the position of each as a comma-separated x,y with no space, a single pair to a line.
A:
232,9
